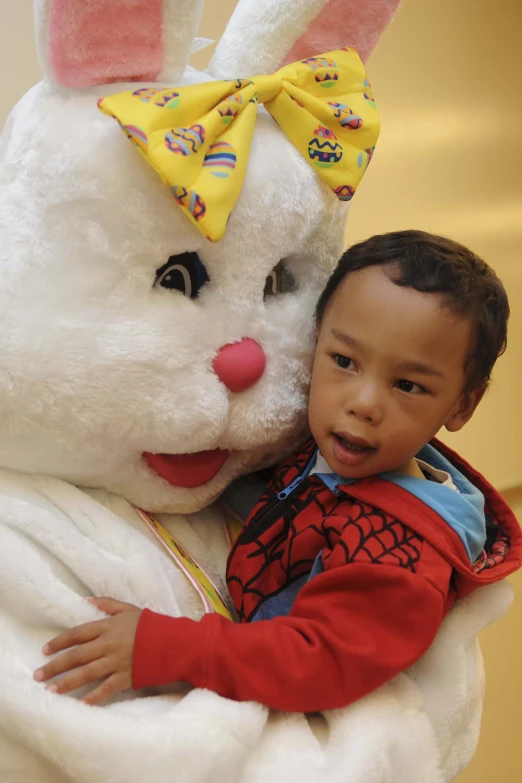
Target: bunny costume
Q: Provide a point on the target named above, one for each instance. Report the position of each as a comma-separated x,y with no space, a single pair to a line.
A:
125,334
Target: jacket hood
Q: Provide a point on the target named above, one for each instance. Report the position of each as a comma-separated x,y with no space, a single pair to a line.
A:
477,512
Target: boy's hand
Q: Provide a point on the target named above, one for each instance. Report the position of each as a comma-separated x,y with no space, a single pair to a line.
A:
102,651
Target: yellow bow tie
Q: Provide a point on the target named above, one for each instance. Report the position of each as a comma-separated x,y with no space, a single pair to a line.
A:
198,137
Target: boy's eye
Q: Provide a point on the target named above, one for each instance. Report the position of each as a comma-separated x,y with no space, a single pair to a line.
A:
409,387
342,361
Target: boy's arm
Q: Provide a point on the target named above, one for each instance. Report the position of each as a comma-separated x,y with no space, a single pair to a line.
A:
350,629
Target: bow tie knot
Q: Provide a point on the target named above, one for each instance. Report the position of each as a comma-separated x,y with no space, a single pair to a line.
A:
198,137
267,88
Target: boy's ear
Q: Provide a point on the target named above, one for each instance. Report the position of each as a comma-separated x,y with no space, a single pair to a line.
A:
464,409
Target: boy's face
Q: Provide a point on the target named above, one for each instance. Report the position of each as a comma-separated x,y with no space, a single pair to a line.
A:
389,372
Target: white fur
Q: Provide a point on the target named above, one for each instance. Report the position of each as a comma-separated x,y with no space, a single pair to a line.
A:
180,26
96,367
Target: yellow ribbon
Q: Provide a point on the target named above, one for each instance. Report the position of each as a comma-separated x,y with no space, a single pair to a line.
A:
198,137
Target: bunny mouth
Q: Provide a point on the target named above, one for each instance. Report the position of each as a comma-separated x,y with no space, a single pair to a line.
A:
187,470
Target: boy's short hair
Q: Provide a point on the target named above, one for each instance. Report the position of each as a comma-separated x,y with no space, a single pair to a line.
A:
437,265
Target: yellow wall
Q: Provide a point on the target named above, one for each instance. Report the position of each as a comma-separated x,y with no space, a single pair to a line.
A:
447,77
19,68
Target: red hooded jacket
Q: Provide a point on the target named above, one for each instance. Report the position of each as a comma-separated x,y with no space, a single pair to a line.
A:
362,579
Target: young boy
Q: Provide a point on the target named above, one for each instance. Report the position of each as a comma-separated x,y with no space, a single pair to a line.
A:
363,540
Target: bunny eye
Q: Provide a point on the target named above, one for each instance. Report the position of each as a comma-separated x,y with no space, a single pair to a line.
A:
184,273
279,281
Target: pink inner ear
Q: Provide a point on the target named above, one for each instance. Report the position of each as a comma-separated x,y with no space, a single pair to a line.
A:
359,23
101,41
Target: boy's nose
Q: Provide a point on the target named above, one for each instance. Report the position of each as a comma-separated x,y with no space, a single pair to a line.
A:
240,365
366,406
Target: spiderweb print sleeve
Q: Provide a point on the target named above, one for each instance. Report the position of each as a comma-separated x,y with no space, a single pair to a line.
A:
370,536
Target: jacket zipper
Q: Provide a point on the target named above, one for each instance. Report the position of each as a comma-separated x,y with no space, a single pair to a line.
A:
285,493
285,498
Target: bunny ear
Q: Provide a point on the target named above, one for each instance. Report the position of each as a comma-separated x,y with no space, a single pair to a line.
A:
262,35
82,43
357,23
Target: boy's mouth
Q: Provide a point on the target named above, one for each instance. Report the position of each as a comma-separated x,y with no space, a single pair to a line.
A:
350,449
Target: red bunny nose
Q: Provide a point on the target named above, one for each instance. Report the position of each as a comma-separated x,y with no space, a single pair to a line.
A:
240,365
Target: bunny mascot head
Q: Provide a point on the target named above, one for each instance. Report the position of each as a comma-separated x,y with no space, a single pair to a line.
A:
138,354
156,303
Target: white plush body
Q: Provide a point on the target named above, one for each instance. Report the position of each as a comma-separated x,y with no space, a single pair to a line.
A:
60,543
98,366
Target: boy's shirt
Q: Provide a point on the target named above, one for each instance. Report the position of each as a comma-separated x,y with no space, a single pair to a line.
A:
322,469
347,582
